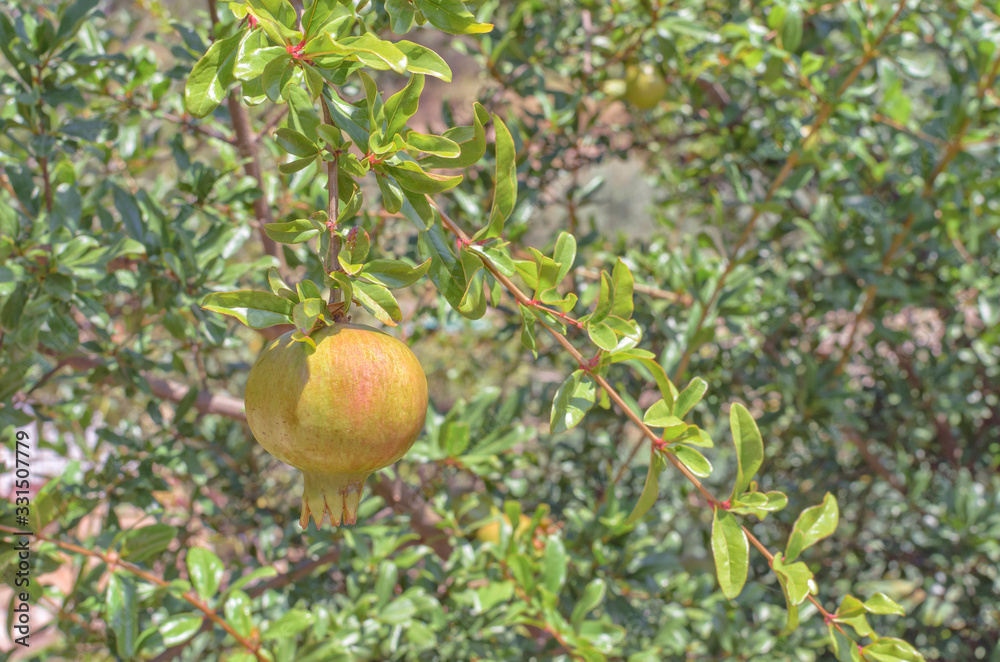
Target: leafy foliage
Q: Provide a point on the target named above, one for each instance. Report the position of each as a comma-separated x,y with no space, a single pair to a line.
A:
820,267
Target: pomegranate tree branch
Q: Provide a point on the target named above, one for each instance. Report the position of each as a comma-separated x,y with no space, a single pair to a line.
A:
618,400
113,562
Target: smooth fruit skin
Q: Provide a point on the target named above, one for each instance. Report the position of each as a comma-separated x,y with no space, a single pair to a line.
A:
350,407
644,87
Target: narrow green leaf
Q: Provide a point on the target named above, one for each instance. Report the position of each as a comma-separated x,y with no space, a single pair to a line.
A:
422,60
650,489
471,140
602,335
395,273
451,16
122,612
593,596
430,144
798,579
888,649
573,400
402,105
622,284
205,571
690,396
413,178
731,551
291,232
505,189
295,143
749,446
692,459
378,301
211,76
813,525
258,310
554,564
276,77
178,629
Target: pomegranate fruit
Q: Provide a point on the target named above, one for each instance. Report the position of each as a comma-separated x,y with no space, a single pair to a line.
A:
354,404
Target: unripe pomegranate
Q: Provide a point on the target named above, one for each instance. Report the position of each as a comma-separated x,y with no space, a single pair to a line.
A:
338,413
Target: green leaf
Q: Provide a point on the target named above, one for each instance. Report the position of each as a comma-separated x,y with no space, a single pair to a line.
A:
413,178
798,579
690,396
429,144
888,649
296,165
238,608
593,596
205,571
318,15
295,143
759,503
122,613
602,335
402,105
650,490
254,55
471,140
72,18
554,564
692,459
528,330
356,244
880,603
505,182
573,400
276,77
258,310
211,76
451,16
178,629
731,551
749,445
370,50
291,232
291,623
395,273
422,60
306,312
392,194
658,416
622,283
564,254
812,525
144,543
378,301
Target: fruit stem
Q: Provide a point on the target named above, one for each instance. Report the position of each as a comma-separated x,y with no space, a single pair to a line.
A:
336,495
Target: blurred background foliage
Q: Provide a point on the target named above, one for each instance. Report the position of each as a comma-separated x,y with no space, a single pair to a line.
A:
807,194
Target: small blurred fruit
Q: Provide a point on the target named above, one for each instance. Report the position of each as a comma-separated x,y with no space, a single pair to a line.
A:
644,87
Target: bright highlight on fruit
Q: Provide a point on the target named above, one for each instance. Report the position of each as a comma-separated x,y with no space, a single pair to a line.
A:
338,413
